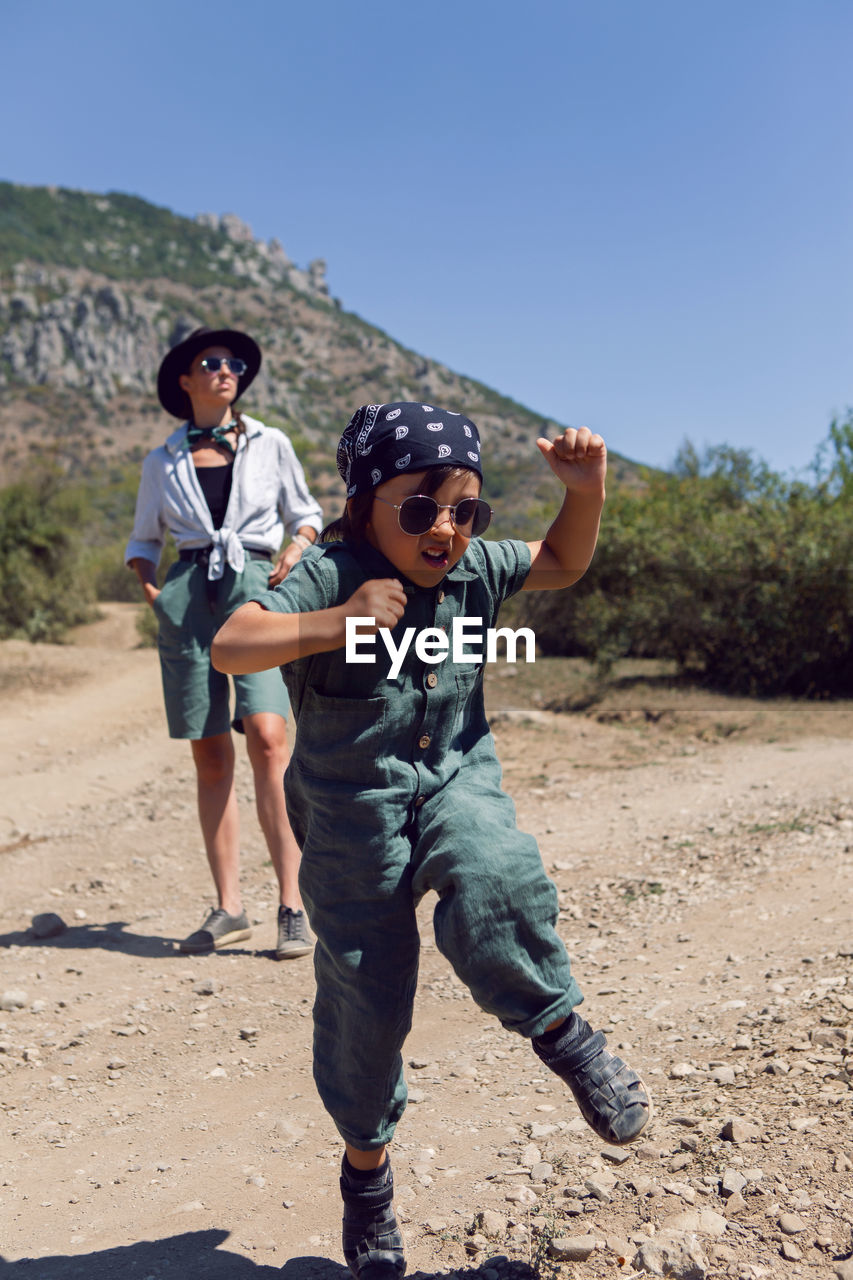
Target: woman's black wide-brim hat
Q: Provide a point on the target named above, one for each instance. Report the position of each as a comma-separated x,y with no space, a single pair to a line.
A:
173,398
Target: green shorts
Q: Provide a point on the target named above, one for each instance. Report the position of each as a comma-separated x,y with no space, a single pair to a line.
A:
197,696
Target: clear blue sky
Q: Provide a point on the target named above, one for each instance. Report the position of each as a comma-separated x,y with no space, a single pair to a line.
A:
634,214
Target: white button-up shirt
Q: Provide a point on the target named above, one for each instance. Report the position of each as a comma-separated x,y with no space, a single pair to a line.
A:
269,496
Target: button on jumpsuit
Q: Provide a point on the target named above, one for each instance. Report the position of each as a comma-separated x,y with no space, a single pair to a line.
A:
393,790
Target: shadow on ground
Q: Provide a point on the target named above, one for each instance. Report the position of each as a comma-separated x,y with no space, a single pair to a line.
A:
194,1255
111,936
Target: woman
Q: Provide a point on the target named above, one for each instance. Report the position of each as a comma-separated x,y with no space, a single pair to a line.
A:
227,488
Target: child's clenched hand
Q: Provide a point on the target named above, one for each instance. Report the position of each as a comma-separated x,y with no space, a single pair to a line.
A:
578,459
382,599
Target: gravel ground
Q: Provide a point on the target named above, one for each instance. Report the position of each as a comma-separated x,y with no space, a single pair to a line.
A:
160,1118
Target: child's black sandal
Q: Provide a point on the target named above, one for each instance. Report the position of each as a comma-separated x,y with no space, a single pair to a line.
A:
612,1098
372,1241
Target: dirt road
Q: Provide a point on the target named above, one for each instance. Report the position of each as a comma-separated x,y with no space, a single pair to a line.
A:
159,1116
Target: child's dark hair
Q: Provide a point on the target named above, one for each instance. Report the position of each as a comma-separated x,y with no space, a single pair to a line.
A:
352,525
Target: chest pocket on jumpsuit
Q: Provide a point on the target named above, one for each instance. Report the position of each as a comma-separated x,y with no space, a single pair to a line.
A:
340,739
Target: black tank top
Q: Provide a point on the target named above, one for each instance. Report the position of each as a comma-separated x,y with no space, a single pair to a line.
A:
216,486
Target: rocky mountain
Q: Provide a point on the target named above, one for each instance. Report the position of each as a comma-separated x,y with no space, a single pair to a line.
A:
95,288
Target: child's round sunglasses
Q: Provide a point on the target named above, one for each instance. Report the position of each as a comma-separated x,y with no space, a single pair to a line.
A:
418,513
212,364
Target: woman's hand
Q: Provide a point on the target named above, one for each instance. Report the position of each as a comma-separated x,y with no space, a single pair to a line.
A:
146,572
290,556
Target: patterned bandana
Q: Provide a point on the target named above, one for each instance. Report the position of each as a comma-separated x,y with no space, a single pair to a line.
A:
215,435
381,440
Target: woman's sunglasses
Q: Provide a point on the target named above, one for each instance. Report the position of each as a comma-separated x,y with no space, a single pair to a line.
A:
212,364
418,514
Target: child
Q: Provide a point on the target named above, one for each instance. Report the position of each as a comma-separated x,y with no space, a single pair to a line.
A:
394,785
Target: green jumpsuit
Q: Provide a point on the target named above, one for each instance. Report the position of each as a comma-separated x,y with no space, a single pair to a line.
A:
394,789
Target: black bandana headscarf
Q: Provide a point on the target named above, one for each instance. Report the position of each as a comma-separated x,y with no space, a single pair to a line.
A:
383,440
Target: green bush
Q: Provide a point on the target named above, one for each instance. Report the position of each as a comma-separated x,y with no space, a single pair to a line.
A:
109,575
42,588
741,577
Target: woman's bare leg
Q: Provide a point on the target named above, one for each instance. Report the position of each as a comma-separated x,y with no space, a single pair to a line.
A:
266,743
218,815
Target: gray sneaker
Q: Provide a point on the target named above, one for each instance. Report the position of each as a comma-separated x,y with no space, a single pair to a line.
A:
294,937
218,930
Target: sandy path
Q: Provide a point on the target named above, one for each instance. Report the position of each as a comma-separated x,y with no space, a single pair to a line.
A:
160,1114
